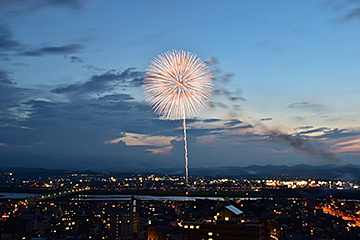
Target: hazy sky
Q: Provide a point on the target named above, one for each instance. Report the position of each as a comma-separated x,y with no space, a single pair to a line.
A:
286,83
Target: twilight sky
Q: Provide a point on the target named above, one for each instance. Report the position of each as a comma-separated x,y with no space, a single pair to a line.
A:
286,75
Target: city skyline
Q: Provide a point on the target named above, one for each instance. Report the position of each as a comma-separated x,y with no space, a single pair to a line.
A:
286,82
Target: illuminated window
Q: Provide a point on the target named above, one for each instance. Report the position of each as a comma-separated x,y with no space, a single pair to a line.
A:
226,219
197,227
192,226
210,233
185,226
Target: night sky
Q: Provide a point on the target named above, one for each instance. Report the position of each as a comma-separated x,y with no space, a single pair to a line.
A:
286,83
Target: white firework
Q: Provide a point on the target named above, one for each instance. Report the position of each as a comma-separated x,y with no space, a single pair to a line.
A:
177,85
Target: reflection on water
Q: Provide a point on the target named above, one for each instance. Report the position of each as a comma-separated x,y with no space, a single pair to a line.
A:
123,197
17,195
148,197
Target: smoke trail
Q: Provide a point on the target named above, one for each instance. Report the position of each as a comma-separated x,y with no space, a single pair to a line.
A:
186,154
304,145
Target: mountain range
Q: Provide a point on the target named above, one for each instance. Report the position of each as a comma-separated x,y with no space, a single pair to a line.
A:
345,172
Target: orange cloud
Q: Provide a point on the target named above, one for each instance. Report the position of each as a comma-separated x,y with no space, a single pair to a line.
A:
135,139
350,145
164,150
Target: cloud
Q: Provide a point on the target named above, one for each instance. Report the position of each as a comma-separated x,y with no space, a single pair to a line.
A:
164,150
39,4
348,10
61,50
7,42
211,120
304,127
352,14
322,129
76,59
11,97
117,97
107,81
266,119
136,139
314,107
3,145
233,122
349,146
84,122
243,127
338,133
5,78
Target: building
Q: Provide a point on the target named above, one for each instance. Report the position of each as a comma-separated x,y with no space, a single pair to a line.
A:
227,214
163,233
125,225
226,224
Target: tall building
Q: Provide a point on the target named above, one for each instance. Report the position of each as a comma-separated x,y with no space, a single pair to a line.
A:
226,224
125,225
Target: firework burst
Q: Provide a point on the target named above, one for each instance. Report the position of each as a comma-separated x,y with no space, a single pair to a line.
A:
178,86
177,83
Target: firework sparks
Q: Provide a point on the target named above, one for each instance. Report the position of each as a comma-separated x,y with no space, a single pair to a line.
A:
178,86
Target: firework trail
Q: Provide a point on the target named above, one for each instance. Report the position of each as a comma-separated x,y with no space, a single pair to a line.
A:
177,86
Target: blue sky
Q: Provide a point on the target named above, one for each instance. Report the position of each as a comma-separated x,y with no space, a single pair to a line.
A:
286,77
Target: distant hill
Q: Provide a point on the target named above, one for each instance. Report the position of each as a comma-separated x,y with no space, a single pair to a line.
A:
345,172
298,171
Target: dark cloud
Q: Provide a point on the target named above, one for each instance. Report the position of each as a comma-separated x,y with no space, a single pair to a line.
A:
5,57
208,131
7,41
338,133
211,120
266,119
82,123
76,59
11,98
5,78
92,67
352,14
315,107
322,129
305,127
65,49
233,122
348,10
70,88
39,4
117,97
105,82
242,127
